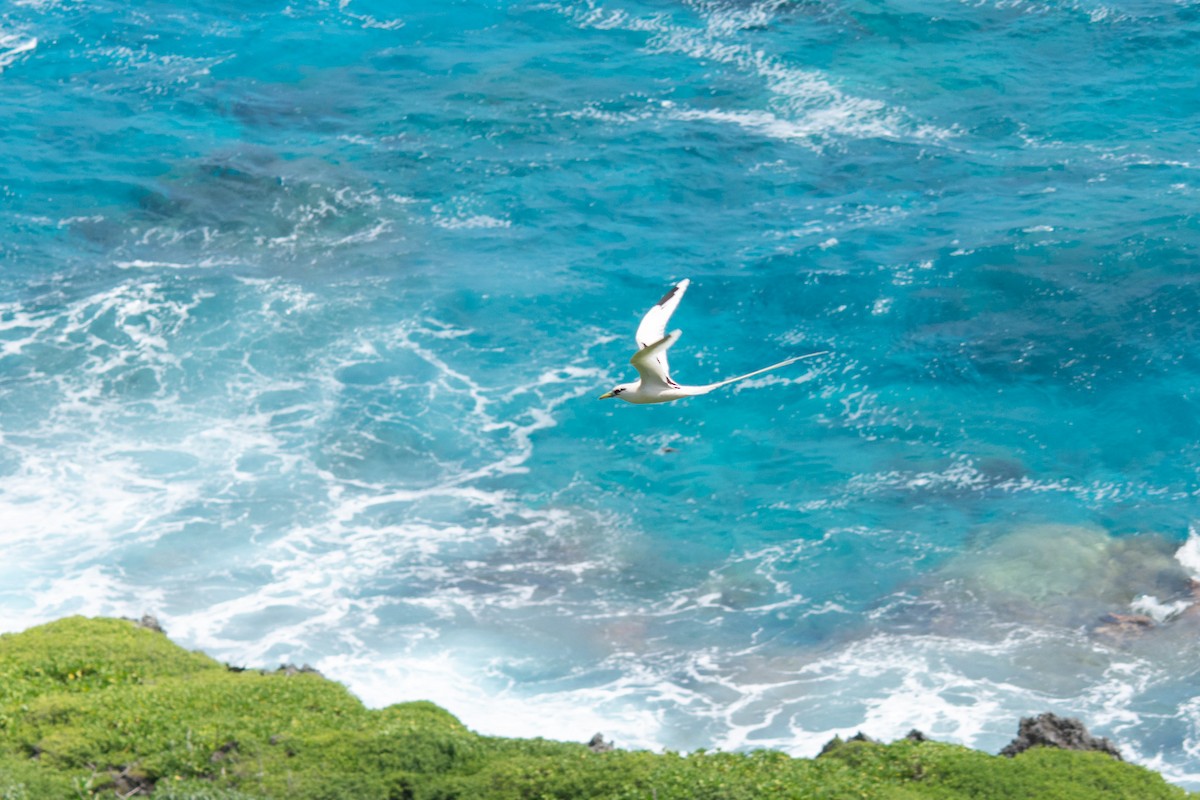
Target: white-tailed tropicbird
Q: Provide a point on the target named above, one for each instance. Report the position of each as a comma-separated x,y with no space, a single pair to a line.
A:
654,384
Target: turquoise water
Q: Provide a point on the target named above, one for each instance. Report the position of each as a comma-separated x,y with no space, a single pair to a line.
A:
304,310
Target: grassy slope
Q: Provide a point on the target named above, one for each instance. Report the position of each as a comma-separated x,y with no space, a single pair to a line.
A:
93,708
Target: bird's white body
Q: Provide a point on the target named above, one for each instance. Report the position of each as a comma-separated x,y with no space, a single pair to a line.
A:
654,384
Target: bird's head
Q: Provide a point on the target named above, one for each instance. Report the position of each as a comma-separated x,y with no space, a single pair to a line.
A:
618,391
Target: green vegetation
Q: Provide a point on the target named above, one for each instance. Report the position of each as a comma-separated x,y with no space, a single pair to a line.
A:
104,708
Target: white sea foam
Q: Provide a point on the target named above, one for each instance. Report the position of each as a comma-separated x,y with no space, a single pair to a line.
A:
89,592
840,220
492,705
1158,610
1189,713
594,112
1189,553
806,106
883,685
79,485
591,15
1094,13
158,73
729,18
138,263
952,689
91,472
106,490
368,21
367,235
1188,556
13,46
286,215
964,474
475,221
20,327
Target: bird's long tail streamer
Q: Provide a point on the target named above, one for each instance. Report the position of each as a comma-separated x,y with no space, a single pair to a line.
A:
783,363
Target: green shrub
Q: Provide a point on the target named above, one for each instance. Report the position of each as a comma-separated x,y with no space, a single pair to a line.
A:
950,771
78,655
23,779
198,790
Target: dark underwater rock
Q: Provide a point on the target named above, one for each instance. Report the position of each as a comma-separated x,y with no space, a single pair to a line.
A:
1051,730
1123,626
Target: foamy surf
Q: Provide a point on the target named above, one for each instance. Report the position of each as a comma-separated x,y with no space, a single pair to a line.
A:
13,46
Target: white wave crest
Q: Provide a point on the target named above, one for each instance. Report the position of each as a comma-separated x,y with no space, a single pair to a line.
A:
806,106
1188,555
13,46
368,21
477,221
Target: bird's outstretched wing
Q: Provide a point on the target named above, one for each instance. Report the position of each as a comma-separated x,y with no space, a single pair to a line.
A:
651,363
654,327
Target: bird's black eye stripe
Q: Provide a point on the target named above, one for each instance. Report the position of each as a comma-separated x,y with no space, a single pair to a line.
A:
617,391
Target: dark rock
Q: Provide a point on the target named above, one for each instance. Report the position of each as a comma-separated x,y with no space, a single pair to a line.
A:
598,745
225,751
284,740
837,741
149,622
292,669
916,736
1122,626
830,746
1051,730
129,781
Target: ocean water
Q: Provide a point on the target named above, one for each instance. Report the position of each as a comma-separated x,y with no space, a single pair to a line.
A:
305,308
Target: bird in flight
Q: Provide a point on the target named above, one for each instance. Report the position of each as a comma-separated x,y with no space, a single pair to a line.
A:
654,384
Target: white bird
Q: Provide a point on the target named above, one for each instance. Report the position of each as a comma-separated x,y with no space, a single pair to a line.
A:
654,384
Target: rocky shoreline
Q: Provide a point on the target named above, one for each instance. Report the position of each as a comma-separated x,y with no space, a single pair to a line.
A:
1044,730
108,708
